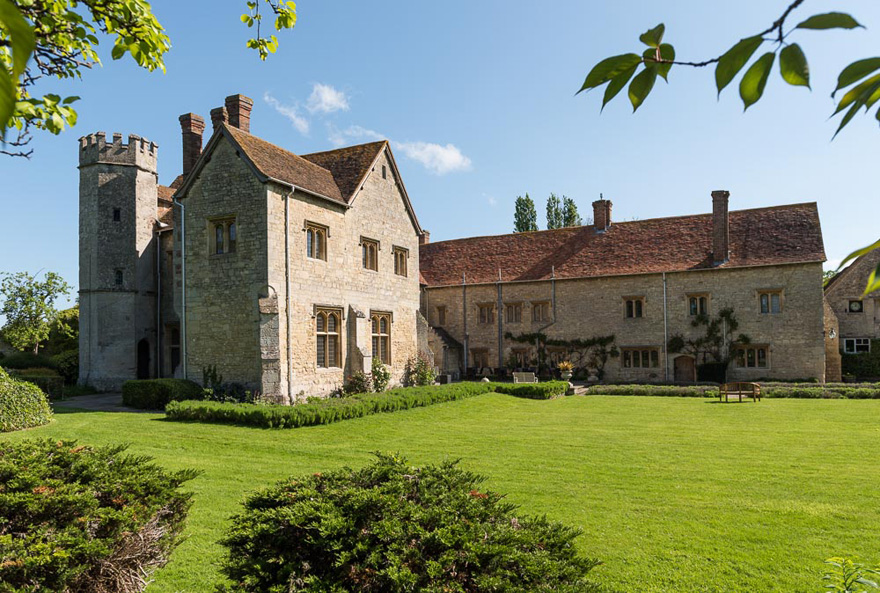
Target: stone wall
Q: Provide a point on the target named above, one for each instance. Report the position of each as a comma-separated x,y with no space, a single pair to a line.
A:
833,369
849,287
588,308
341,282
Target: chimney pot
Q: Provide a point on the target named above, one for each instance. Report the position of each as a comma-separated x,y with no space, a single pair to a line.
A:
219,115
239,108
191,128
602,214
425,238
720,227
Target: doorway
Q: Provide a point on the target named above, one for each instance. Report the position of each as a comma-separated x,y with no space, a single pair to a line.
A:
143,359
685,369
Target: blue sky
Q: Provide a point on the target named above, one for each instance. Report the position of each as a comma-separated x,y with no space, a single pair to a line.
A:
478,100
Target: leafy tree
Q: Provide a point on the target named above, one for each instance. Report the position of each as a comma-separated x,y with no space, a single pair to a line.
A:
570,216
59,39
861,77
554,213
525,218
29,307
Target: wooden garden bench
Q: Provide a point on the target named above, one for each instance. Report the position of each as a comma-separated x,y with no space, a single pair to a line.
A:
752,390
524,378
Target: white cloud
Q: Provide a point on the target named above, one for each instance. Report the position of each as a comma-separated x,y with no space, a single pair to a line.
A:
326,99
436,158
493,201
290,112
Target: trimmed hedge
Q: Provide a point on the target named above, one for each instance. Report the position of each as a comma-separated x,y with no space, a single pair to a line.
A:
22,405
27,360
80,519
547,390
155,394
655,390
325,411
769,390
392,527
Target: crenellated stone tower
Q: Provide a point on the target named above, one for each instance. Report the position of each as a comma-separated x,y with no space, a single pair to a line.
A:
117,255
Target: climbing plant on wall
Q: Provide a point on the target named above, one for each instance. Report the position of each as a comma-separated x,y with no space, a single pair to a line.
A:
590,353
713,350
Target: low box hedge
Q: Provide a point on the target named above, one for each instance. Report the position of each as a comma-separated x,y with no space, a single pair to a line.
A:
773,389
80,519
154,394
547,390
655,390
22,404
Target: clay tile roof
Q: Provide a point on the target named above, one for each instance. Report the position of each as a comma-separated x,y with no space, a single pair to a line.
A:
348,165
758,237
165,193
277,163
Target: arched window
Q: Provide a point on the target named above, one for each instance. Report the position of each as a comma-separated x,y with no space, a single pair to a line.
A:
382,337
316,241
370,251
233,237
327,325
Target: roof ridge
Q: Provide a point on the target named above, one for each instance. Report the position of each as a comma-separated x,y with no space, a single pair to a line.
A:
341,148
233,130
626,222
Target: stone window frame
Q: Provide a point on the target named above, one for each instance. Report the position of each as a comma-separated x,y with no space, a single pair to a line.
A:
323,336
317,239
856,345
381,340
226,242
541,311
118,277
520,356
515,308
483,354
640,357
635,306
696,301
370,253
486,313
555,355
401,256
856,306
384,172
748,356
442,310
765,297
117,215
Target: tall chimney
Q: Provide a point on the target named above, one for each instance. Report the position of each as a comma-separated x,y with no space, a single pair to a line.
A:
219,116
191,127
602,214
239,108
425,238
720,227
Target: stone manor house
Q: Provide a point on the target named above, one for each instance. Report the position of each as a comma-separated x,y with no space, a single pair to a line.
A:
288,273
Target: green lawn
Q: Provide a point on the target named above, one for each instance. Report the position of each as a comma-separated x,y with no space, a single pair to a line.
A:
672,494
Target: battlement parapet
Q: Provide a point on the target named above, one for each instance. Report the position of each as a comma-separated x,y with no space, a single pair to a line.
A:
139,152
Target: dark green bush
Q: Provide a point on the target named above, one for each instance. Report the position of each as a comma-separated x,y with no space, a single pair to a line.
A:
22,405
80,519
546,390
27,360
393,528
324,411
67,364
360,382
49,382
154,394
656,390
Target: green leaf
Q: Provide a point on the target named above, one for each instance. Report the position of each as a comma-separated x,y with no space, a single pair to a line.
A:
793,66
667,53
855,94
846,118
117,52
653,37
21,36
641,86
751,87
855,255
856,71
7,100
734,59
830,20
609,68
617,83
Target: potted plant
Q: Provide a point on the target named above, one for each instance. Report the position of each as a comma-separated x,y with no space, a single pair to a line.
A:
565,368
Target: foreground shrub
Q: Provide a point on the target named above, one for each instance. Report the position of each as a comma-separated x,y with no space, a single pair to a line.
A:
67,364
360,382
390,527
324,411
22,405
79,519
154,394
533,390
418,372
380,375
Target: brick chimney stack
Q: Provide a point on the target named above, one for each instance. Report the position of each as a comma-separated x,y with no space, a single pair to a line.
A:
425,238
219,115
720,227
602,214
191,127
239,108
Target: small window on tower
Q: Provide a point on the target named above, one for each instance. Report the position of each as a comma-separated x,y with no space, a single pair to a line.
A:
384,172
117,214
119,278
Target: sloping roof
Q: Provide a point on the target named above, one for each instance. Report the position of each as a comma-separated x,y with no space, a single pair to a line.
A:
758,237
853,279
276,163
349,166
165,193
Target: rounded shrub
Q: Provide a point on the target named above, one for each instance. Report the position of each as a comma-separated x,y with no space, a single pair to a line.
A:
391,527
67,364
80,519
22,405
